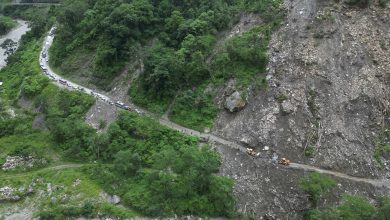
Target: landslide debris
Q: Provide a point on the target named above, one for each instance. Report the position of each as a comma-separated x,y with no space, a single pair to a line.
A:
326,105
328,74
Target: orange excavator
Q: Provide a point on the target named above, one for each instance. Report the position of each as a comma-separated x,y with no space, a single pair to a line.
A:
284,162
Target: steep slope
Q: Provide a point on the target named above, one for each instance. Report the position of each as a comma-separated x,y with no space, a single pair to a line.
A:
328,90
328,99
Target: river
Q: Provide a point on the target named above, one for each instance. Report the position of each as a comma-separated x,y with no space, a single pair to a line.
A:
15,35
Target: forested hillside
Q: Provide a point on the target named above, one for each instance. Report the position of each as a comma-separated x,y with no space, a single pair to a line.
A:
177,44
156,171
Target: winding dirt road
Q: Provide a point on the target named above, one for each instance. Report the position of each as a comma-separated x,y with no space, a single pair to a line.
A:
64,83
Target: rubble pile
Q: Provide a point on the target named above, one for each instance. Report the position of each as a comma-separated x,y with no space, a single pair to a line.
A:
13,162
8,193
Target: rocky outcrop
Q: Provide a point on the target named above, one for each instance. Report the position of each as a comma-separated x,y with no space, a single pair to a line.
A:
10,194
235,102
115,199
13,162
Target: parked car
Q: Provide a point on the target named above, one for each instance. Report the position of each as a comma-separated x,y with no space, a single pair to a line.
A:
63,82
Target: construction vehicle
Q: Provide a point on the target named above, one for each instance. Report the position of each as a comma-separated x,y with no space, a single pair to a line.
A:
284,162
252,152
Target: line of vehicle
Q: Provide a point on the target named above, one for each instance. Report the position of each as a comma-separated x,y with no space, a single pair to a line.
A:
44,58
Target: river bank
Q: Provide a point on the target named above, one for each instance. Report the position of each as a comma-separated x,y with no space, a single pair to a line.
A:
9,42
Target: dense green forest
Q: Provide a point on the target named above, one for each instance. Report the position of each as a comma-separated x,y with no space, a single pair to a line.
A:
136,158
177,43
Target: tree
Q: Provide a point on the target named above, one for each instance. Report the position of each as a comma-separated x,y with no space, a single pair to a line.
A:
355,208
316,185
172,25
221,195
98,145
161,72
317,214
127,163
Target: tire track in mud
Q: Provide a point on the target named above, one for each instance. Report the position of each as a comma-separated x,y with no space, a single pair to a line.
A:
166,122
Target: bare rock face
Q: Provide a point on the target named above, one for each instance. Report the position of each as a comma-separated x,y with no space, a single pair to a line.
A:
235,102
331,62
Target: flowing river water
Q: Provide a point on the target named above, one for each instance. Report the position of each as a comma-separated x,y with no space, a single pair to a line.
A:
15,35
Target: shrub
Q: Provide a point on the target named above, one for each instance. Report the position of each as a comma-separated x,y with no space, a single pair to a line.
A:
309,151
317,214
6,24
359,3
316,185
383,3
384,209
281,98
34,85
355,208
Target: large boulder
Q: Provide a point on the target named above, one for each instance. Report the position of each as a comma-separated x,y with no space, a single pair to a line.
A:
115,199
235,102
287,107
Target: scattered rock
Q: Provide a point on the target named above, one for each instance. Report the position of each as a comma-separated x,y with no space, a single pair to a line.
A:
10,194
235,102
115,199
49,188
287,107
76,182
13,162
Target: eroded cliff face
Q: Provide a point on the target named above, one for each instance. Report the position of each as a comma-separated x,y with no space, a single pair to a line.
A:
328,92
328,88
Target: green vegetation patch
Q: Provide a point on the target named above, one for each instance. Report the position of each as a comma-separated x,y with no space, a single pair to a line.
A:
316,185
160,172
148,101
359,3
6,24
353,208
176,41
22,69
36,144
382,147
194,109
383,3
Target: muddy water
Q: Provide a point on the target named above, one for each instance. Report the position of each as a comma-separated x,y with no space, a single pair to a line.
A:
15,35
